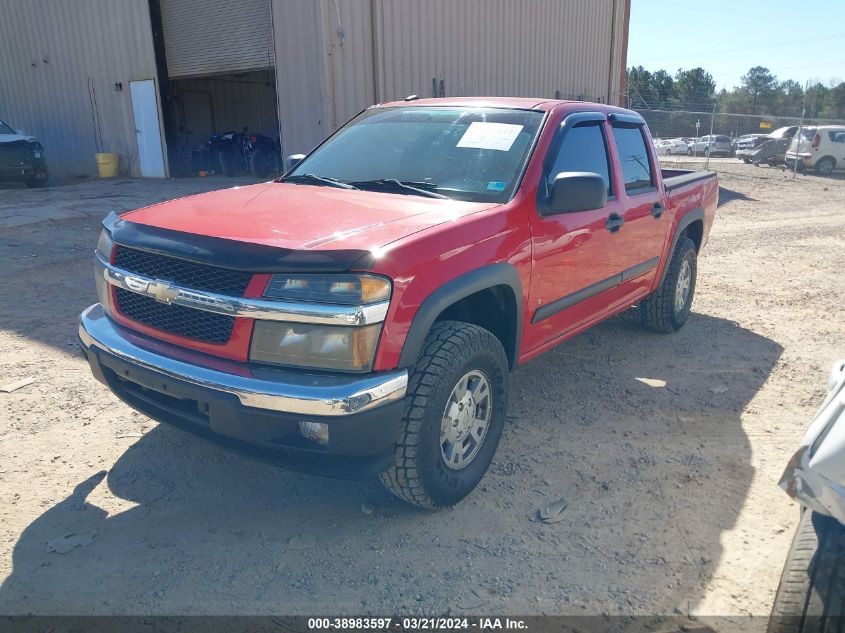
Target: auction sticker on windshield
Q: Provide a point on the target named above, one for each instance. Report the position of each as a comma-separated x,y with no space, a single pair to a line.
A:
483,135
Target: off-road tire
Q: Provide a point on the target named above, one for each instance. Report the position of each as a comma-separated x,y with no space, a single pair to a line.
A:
658,309
419,474
825,165
812,586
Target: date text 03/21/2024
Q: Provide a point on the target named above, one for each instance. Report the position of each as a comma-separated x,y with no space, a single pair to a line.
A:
416,624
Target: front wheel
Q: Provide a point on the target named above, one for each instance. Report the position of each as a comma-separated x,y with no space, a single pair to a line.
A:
668,308
810,591
454,415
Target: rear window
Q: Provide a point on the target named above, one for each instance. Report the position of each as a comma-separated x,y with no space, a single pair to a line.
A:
636,168
723,139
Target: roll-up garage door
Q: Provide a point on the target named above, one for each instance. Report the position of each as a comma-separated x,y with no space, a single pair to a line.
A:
210,37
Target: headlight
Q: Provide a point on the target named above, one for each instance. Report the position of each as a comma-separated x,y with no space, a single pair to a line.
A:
345,289
104,248
315,346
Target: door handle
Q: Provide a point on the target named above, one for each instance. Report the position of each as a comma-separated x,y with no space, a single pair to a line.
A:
614,222
657,210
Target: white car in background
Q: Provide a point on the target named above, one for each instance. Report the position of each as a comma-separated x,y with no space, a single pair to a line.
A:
820,148
815,478
670,146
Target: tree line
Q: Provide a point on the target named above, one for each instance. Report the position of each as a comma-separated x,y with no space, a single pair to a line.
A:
760,92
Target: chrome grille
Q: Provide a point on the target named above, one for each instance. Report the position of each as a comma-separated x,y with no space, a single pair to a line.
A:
182,273
188,322
195,324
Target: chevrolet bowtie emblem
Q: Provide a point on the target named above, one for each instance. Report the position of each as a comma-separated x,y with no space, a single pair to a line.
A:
162,291
159,290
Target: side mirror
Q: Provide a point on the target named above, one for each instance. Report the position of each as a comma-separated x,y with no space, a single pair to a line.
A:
294,160
577,191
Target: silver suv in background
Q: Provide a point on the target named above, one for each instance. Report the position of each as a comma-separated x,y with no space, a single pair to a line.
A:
711,145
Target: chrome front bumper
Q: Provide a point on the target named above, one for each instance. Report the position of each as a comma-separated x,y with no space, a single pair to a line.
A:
281,391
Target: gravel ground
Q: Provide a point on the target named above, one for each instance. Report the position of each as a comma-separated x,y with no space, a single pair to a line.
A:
673,502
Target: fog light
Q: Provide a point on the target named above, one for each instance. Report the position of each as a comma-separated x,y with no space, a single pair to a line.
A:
315,431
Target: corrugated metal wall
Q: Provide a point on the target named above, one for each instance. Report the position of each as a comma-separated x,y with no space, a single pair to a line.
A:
205,37
347,54
494,47
49,49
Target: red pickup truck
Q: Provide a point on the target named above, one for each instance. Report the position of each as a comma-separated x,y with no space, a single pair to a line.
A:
361,315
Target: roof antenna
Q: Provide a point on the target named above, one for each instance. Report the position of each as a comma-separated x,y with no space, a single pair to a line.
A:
412,97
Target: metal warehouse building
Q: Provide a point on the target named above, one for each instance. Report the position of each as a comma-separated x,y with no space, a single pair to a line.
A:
152,79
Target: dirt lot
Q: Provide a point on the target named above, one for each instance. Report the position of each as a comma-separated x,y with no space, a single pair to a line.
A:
673,502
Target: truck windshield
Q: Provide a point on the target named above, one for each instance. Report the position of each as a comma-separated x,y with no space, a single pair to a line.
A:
5,129
474,154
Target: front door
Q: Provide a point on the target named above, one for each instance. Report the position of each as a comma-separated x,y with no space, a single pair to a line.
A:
578,257
147,128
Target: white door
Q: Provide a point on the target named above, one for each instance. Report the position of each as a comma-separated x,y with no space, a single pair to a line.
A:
147,128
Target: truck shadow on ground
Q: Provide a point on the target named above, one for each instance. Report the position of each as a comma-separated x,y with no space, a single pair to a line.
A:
729,195
653,476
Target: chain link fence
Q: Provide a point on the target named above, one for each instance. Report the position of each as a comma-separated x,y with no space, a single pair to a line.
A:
678,133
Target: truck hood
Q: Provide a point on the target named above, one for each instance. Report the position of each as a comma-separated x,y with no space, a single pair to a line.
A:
304,217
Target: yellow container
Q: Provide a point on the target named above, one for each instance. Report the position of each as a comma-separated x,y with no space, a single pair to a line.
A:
107,164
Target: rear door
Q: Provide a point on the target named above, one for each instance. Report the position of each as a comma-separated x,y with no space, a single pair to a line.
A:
646,222
836,141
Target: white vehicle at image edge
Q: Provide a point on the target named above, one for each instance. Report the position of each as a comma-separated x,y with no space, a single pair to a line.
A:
670,146
808,594
820,148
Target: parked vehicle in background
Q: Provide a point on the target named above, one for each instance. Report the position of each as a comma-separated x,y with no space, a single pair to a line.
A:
668,147
362,314
811,590
22,158
710,145
820,148
745,145
771,155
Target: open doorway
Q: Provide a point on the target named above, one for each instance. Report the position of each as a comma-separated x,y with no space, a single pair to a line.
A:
226,124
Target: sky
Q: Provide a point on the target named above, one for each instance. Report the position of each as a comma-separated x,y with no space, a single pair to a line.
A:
800,39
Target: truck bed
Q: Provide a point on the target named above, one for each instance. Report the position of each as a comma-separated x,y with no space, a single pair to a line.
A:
674,178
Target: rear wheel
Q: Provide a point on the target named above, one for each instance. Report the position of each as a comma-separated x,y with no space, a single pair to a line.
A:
454,415
812,585
667,308
825,165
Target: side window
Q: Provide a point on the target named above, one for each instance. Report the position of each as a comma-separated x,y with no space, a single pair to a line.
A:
636,168
837,137
583,149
